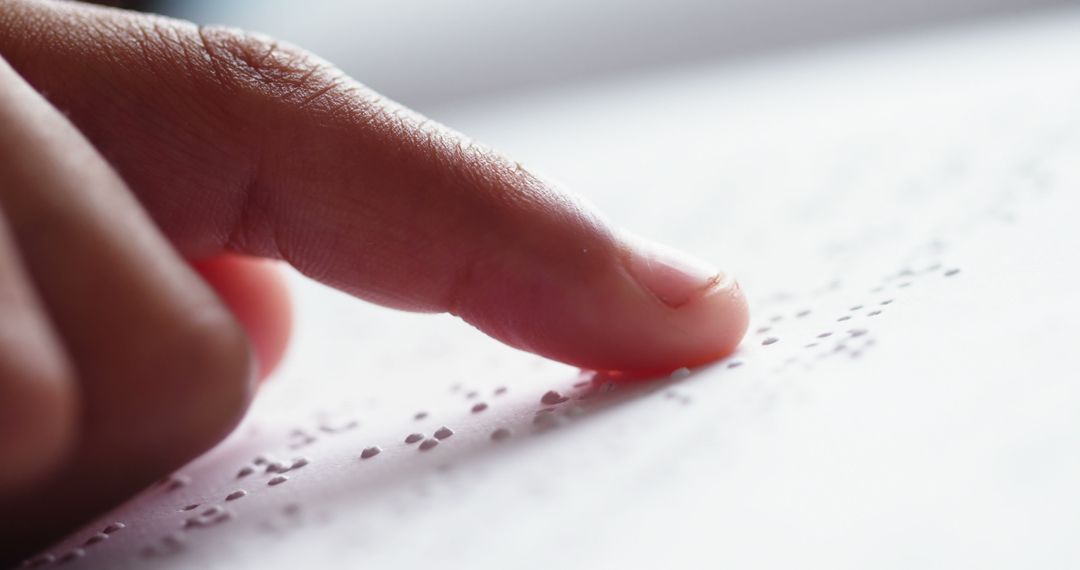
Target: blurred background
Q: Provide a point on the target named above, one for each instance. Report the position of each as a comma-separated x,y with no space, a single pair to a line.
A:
434,53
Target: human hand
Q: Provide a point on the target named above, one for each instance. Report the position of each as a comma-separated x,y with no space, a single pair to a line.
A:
118,363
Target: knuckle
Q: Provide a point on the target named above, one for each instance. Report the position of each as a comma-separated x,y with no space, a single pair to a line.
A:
266,68
252,68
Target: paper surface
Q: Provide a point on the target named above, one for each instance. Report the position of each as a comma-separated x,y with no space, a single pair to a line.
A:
903,216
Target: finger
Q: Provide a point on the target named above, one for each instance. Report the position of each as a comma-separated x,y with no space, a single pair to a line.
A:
255,292
37,396
163,369
238,143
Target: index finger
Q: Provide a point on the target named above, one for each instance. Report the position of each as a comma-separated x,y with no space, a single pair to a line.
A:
236,142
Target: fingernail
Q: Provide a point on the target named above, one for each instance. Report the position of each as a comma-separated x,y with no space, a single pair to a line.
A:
672,276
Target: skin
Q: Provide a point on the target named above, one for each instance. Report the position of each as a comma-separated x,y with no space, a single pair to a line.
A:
145,163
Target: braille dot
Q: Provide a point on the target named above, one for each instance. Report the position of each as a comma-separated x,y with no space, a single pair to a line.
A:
844,318
802,313
857,332
238,494
500,390
477,408
443,433
428,444
951,272
904,285
72,555
212,511
776,318
735,364
551,397
811,345
370,452
114,527
41,561
175,482
276,467
299,463
277,480
190,507
414,437
886,301
245,471
472,394
420,415
500,434
873,313
545,420
327,427
303,439
856,307
99,537
763,330
824,335
223,517
770,340
680,373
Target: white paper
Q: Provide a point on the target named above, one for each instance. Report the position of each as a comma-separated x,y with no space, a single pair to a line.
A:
930,181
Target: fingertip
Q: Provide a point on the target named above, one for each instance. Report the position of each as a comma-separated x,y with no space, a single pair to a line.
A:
256,294
693,320
707,312
715,322
603,300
